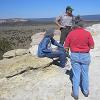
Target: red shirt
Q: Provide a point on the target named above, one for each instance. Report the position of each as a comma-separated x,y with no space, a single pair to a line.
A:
79,40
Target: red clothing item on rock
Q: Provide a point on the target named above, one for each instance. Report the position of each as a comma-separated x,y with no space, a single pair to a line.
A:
79,40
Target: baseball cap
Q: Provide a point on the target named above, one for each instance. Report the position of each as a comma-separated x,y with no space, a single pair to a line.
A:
69,8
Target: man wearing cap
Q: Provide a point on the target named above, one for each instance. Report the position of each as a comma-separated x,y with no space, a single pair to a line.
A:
45,49
80,42
65,22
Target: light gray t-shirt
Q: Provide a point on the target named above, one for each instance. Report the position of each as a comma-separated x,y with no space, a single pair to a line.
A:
65,20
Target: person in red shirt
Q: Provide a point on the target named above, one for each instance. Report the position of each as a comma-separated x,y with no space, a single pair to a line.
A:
79,41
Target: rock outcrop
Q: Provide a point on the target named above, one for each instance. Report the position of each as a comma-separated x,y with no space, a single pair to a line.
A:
27,77
24,76
14,53
94,29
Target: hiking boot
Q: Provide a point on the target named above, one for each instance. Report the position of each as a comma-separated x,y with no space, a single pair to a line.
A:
75,97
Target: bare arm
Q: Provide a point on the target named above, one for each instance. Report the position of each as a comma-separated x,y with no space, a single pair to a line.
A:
58,23
67,49
58,19
92,47
91,42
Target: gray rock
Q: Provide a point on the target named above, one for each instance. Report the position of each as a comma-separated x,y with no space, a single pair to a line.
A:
18,64
36,38
16,52
46,84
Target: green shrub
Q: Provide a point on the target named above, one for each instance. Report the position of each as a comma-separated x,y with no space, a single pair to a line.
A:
4,46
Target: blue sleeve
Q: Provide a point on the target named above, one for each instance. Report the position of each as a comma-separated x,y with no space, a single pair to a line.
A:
54,42
45,43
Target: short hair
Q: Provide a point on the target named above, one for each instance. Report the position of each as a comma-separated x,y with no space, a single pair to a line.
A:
50,32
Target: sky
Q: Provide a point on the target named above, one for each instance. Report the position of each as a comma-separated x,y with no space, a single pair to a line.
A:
46,8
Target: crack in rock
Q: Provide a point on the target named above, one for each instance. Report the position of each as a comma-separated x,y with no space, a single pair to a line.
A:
26,70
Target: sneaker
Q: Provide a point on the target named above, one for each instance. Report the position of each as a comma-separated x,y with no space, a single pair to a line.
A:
75,97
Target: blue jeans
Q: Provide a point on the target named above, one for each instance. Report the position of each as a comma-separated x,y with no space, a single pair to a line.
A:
60,53
80,67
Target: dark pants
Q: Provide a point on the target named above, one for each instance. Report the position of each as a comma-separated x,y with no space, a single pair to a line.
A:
61,54
64,33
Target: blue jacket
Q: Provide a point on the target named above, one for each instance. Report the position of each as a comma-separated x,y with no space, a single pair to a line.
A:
45,46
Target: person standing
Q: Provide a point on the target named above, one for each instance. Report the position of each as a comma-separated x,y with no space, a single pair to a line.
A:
80,42
65,22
